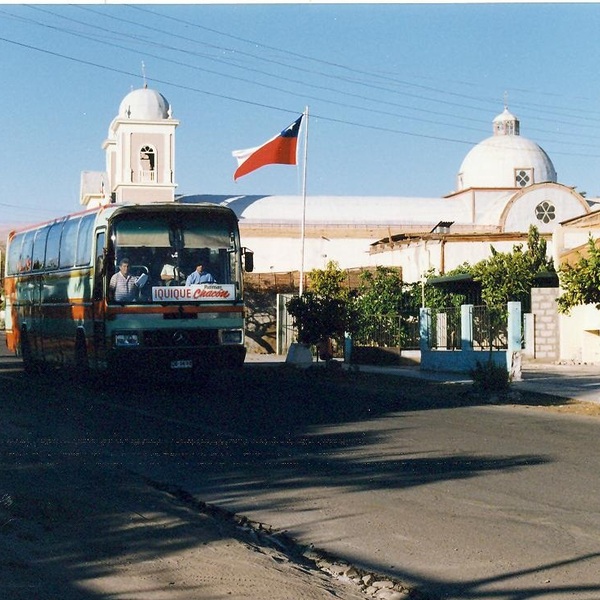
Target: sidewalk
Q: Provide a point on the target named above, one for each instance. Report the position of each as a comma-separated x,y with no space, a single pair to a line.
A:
579,382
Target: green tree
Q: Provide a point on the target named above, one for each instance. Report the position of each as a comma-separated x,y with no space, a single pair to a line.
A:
580,282
321,312
329,282
509,276
378,305
434,297
380,292
537,249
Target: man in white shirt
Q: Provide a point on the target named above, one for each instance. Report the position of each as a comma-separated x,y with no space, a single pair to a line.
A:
123,286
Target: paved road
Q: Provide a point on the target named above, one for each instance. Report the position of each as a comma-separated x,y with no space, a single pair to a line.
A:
484,502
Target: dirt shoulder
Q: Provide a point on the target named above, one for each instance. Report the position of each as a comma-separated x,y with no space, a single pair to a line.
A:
73,529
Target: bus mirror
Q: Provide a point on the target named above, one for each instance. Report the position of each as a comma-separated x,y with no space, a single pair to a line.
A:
248,260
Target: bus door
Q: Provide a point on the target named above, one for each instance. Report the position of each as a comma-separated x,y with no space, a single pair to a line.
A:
98,298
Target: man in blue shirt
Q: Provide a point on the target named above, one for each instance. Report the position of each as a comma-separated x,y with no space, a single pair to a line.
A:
199,276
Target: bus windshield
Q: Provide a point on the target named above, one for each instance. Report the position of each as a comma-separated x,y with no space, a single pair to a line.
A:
168,247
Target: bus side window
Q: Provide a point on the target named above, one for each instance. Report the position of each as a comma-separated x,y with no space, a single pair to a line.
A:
39,248
26,252
84,240
13,262
68,243
53,246
100,265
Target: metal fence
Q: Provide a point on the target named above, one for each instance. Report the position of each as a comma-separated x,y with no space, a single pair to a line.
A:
445,329
489,328
390,331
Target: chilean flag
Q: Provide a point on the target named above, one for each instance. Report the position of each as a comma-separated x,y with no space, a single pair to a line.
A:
279,150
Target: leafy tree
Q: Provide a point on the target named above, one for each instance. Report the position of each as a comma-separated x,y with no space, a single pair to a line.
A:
580,282
329,282
434,297
504,276
380,292
537,249
383,304
509,276
320,313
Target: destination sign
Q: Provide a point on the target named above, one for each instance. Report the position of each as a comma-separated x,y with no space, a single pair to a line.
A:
203,292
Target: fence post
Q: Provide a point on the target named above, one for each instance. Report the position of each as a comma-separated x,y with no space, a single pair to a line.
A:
513,349
284,330
347,348
466,327
424,329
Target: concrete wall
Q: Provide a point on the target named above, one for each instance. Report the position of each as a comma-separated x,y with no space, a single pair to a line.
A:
546,324
580,335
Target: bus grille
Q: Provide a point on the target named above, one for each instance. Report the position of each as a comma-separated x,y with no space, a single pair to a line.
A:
181,338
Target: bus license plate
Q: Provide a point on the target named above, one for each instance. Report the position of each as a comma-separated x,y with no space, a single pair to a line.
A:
181,364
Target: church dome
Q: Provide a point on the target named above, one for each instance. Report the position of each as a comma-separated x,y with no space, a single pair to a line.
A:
505,160
144,105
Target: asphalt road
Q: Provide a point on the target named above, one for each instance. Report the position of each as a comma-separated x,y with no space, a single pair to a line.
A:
412,479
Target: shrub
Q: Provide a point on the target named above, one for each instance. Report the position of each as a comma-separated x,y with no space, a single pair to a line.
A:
490,377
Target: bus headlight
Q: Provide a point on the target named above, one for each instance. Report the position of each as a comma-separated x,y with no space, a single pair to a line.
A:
231,336
126,340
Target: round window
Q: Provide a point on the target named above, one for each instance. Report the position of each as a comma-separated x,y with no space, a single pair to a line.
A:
545,212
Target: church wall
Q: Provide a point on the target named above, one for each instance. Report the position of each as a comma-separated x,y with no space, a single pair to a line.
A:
544,207
418,257
488,206
284,254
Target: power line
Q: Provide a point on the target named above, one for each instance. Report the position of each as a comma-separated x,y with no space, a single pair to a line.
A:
452,123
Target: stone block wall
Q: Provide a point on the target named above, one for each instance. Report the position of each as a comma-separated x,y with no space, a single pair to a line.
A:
546,324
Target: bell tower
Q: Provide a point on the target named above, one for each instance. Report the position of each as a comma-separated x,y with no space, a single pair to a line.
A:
140,149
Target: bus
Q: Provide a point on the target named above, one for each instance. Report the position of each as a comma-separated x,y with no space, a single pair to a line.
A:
61,308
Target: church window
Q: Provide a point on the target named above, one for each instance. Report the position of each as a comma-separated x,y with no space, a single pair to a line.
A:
147,163
545,212
523,177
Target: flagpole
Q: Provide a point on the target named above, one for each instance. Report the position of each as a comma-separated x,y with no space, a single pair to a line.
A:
303,228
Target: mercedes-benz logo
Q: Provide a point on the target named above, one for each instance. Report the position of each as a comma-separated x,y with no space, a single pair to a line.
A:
180,337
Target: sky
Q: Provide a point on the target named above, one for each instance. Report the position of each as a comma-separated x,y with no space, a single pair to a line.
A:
397,93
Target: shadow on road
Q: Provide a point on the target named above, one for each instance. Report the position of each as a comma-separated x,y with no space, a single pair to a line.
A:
240,431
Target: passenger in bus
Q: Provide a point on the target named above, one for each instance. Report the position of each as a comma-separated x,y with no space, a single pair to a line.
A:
171,274
123,286
199,276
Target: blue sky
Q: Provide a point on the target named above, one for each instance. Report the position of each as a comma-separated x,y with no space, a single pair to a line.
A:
398,93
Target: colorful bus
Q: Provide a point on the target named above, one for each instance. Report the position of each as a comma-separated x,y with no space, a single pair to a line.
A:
62,309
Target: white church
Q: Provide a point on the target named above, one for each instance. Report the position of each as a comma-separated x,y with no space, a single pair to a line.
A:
505,184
